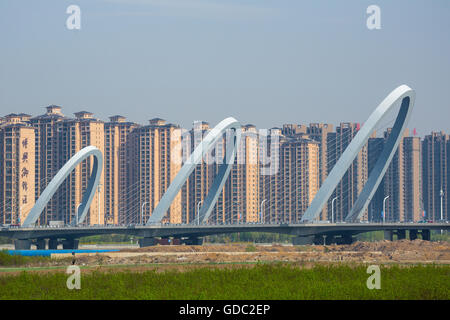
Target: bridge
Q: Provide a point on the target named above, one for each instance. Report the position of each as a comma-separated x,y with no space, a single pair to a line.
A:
306,231
315,233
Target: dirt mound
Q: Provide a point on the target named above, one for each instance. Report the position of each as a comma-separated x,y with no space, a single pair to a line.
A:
404,251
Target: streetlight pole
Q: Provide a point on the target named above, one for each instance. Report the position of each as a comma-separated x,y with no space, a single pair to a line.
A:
442,208
77,213
262,217
19,214
142,212
98,195
238,213
198,212
332,209
384,208
10,212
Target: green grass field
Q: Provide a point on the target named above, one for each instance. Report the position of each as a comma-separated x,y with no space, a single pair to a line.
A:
259,282
8,260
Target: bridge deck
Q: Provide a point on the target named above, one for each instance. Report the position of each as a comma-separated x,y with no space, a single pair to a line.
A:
186,230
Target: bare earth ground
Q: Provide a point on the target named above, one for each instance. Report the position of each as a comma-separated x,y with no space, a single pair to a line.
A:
225,256
403,251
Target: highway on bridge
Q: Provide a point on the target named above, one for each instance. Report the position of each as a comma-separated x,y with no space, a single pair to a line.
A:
304,233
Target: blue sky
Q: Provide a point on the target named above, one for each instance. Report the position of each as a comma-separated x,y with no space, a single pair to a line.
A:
262,62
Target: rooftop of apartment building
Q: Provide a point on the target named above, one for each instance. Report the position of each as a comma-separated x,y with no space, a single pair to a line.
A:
204,125
118,120
158,122
300,138
438,134
21,119
249,127
53,112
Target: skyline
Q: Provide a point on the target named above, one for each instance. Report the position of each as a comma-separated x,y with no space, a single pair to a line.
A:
263,63
379,132
37,147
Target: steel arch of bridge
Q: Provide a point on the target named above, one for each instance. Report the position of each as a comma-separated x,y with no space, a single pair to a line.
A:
195,158
407,97
59,178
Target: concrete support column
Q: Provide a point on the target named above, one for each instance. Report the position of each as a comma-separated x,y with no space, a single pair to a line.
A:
330,239
345,239
70,244
318,239
20,244
401,234
388,235
147,242
197,241
426,234
194,241
52,244
299,241
412,234
41,244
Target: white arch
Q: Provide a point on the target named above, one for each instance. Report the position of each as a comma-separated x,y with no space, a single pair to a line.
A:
195,158
407,97
59,178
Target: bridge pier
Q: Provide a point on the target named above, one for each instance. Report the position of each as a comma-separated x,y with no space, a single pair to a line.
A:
197,241
147,242
22,244
345,239
412,235
388,235
52,244
300,241
70,244
426,234
401,234
41,244
330,239
193,241
318,239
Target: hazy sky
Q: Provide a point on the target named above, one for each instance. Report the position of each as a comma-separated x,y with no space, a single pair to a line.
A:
262,62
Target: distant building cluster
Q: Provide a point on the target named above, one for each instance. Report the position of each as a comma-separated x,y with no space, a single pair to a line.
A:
139,166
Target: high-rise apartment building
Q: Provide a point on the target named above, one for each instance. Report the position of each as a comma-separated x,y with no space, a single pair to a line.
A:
58,138
375,147
435,166
290,129
74,135
400,189
17,168
289,190
413,178
299,168
270,175
394,183
201,179
47,157
319,132
356,176
242,190
155,160
197,186
115,168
